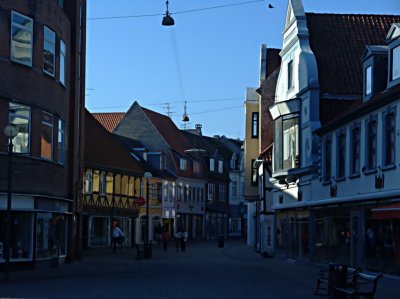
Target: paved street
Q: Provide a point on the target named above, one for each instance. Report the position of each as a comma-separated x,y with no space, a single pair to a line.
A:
204,270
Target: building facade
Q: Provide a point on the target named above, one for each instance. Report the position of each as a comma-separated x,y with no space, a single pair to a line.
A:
42,62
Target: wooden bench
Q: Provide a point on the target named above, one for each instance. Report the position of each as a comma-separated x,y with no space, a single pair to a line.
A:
364,286
323,280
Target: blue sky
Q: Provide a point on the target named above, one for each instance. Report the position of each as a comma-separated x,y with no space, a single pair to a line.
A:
207,59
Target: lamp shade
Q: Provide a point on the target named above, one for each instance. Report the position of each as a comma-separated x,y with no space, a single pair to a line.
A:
168,20
11,131
148,175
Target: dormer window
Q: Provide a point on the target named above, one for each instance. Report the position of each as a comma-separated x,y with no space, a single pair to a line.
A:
212,164
220,166
396,63
183,164
368,80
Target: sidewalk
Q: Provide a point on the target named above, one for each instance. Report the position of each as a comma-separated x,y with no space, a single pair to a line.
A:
101,262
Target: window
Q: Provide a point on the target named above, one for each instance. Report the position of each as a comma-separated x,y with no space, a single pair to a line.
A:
49,51
234,188
328,159
61,3
355,150
290,143
220,166
212,164
103,183
368,80
254,127
222,192
371,144
211,192
197,167
63,60
233,161
290,74
182,164
21,38
254,174
89,182
46,140
396,63
389,139
20,116
341,155
61,141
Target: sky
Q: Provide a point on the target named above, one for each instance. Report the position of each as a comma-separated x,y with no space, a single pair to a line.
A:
207,59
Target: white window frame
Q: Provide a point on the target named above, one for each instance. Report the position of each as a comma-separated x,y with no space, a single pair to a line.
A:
51,43
63,63
29,29
89,181
61,141
368,80
20,138
395,61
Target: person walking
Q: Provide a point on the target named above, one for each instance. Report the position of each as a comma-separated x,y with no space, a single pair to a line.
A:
165,238
178,237
117,237
184,240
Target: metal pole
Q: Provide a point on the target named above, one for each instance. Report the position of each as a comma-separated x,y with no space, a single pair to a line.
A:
147,212
8,227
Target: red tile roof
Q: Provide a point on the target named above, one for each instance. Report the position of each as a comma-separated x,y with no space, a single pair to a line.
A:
338,41
166,127
109,120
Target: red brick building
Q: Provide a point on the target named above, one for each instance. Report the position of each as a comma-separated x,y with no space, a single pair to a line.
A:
42,83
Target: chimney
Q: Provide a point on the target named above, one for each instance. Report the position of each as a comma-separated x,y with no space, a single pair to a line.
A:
198,129
263,63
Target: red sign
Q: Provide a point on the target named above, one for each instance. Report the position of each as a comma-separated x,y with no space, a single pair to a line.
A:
141,201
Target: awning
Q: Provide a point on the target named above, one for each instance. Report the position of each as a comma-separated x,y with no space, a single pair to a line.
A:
387,212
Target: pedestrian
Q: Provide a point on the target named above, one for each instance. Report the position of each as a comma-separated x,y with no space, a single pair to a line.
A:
184,240
117,237
165,238
178,237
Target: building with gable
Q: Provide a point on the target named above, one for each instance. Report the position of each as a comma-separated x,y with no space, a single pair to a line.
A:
334,110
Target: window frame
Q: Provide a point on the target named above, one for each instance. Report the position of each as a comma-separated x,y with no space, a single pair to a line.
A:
254,125
220,166
341,150
395,53
62,69
385,114
11,118
14,24
61,141
103,183
355,149
327,159
53,47
89,181
368,167
183,164
368,81
290,79
212,164
43,125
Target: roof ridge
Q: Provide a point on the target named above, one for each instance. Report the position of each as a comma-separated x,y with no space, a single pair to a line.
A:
350,14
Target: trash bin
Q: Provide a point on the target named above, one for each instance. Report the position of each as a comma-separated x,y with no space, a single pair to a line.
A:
337,278
221,241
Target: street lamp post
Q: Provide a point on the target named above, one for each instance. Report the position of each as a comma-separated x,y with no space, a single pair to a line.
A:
10,132
147,245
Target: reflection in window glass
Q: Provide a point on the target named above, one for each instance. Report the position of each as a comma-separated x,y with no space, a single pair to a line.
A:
20,116
290,143
61,141
46,140
99,231
51,235
49,50
21,38
396,63
63,58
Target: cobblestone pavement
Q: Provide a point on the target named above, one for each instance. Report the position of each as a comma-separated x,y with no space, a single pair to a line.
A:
202,271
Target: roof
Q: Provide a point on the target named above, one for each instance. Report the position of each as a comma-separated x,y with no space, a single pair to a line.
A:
166,127
109,120
338,41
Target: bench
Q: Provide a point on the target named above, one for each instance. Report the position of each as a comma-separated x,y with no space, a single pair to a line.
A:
324,282
364,286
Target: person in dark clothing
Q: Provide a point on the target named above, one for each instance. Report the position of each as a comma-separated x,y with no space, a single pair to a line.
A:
165,238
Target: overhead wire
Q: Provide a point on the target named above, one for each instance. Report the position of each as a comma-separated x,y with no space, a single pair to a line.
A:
174,13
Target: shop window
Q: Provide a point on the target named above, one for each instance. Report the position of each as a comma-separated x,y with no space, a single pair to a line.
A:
46,140
51,235
20,116
99,228
21,38
49,51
